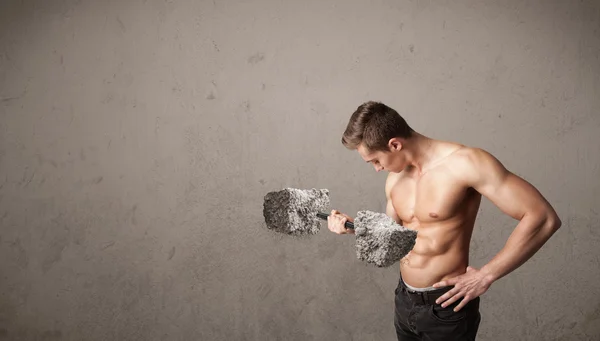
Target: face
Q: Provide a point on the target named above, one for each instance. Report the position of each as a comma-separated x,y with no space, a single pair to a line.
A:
391,160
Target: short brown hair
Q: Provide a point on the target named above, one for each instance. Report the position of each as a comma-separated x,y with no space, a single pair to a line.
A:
374,124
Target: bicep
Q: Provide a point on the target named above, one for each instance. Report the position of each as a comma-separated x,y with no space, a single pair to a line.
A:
510,193
515,197
391,211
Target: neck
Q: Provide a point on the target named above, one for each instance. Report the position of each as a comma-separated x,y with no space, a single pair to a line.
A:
419,151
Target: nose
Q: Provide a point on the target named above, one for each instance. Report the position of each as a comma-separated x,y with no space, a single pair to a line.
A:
378,169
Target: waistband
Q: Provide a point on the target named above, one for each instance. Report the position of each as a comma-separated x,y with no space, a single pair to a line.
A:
423,297
411,288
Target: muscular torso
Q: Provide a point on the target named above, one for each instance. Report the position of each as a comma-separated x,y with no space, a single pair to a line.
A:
443,211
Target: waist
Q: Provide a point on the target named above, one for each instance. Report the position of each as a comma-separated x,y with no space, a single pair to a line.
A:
423,271
422,296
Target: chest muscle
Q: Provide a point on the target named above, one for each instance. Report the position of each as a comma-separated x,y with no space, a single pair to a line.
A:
433,197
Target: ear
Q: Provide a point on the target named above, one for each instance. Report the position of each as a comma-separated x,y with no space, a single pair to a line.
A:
394,144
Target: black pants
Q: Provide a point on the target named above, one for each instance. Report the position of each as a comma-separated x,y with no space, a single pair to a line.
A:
418,317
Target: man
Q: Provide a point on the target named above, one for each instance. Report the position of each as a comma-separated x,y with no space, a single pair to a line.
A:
435,188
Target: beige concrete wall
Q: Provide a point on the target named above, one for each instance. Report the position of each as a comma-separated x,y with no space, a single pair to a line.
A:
138,138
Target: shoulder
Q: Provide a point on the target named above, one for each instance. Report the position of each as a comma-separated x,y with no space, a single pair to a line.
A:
474,157
474,164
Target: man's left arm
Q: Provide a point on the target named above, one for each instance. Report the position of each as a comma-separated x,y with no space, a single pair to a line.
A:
515,197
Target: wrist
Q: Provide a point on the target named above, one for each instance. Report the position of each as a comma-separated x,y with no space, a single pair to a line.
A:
489,276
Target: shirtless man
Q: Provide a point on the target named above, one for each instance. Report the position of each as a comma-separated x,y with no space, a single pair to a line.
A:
435,188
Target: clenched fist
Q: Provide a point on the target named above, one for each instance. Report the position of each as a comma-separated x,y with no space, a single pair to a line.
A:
336,221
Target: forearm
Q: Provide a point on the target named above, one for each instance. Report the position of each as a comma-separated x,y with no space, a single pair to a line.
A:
527,238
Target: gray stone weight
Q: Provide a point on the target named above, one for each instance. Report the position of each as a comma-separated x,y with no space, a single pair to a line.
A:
380,240
294,211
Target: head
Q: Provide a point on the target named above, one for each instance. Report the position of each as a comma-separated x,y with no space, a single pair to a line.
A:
379,134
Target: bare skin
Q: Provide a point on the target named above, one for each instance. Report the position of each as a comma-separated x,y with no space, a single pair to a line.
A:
435,187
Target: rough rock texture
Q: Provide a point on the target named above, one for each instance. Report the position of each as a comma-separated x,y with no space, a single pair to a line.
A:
380,240
294,211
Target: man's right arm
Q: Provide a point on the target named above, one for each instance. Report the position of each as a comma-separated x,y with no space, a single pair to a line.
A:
389,209
336,220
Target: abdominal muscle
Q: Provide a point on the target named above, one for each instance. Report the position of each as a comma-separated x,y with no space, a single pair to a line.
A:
441,252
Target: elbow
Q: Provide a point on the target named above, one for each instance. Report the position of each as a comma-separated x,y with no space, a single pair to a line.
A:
553,222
